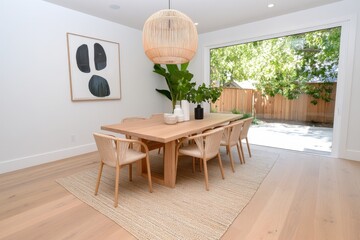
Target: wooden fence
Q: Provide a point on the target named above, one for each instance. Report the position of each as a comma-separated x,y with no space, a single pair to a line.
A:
276,108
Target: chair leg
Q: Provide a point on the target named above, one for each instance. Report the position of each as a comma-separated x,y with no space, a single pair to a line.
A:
193,163
221,166
231,159
163,156
206,175
117,185
239,153
242,151
176,160
176,163
149,173
248,147
99,177
130,172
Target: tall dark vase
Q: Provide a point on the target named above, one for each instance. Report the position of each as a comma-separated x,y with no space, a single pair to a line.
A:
199,112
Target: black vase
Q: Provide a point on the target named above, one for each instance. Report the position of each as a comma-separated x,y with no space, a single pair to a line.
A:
199,112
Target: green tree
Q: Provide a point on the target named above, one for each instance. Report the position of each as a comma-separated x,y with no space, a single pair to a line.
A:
282,65
320,58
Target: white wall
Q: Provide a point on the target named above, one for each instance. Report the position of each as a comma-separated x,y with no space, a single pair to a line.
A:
346,143
39,122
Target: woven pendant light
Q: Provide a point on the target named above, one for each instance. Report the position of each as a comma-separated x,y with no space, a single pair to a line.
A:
169,37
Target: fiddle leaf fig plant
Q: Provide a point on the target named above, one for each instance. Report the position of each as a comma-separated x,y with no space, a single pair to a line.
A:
178,81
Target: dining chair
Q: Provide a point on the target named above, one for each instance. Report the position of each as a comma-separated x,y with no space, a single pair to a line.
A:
231,138
204,146
151,144
244,135
116,152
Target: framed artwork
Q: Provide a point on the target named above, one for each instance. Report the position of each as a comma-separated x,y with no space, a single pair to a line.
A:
94,68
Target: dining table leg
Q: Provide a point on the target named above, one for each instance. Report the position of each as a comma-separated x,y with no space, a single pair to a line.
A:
169,164
169,169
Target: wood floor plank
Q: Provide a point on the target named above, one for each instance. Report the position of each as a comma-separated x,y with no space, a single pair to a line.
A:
274,215
311,185
36,215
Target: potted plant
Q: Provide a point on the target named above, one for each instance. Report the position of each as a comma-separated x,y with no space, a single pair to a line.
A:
178,81
203,94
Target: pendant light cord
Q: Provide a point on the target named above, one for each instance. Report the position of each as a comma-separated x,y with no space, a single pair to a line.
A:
169,19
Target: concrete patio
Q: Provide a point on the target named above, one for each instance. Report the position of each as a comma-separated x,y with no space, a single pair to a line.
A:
292,136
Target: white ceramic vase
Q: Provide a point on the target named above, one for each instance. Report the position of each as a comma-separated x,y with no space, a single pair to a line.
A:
185,105
179,113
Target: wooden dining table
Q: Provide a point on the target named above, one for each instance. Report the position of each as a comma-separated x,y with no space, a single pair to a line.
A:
155,129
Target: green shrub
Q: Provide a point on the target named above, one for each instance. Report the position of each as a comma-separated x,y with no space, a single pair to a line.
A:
246,115
235,111
255,121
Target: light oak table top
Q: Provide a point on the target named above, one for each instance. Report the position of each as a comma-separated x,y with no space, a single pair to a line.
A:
155,129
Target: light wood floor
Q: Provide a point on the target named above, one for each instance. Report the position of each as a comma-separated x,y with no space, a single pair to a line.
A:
303,197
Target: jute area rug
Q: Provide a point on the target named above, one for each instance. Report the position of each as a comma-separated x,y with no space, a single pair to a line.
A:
187,211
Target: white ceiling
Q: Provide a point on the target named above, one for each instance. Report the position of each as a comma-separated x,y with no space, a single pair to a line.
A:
211,15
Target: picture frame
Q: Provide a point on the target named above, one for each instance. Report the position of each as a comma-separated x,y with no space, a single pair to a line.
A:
94,68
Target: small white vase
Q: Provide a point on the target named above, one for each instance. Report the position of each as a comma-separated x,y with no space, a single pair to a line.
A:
185,105
179,113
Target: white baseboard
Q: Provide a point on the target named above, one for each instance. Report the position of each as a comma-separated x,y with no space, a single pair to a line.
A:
29,161
351,155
